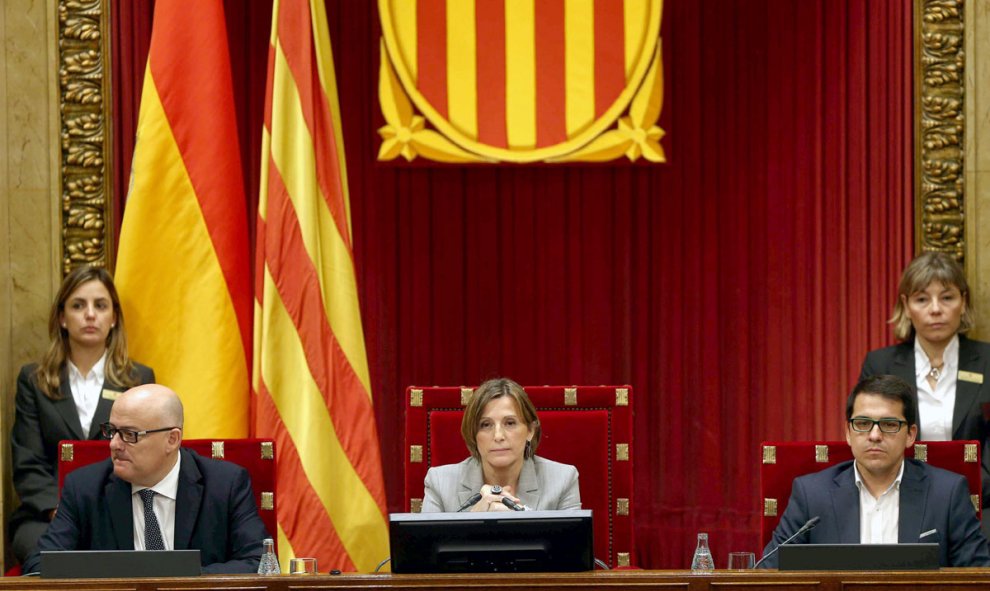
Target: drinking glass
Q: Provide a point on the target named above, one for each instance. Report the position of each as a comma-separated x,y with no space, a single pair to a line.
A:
741,560
302,566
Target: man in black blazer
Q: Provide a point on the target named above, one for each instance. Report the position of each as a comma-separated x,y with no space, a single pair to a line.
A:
907,501
197,503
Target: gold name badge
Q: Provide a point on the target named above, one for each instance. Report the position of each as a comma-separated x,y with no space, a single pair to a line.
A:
113,394
971,376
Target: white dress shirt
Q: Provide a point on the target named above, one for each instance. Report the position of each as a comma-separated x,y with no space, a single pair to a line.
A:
935,407
163,506
878,517
86,391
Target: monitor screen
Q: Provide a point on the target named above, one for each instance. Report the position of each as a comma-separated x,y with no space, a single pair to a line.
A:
859,557
89,564
523,541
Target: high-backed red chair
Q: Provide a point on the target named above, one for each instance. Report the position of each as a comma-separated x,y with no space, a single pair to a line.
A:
256,455
589,427
784,461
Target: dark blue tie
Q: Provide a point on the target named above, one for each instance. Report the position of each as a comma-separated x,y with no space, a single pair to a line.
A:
152,531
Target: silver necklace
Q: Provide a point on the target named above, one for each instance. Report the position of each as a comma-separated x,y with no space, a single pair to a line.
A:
936,372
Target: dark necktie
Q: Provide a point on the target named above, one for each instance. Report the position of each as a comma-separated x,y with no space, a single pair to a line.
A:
152,531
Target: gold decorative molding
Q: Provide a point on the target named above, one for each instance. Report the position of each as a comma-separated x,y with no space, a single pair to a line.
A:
85,150
939,126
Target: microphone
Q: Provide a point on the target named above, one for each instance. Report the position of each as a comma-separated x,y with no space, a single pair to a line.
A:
514,505
474,499
808,526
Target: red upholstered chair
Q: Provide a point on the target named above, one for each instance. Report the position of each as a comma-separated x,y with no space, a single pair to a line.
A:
784,461
256,455
589,427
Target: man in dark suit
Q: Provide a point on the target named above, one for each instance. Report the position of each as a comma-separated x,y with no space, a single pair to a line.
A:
881,497
153,495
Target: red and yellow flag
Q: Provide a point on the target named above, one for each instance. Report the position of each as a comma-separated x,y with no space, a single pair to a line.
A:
183,267
311,381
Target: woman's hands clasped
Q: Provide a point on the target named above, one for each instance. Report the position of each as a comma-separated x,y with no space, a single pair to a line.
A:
491,500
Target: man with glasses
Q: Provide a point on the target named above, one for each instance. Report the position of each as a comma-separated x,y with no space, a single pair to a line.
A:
153,495
881,497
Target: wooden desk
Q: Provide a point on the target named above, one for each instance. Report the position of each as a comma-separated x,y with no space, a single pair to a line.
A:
640,580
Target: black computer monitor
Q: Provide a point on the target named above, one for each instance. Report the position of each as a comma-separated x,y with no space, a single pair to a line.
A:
524,541
859,557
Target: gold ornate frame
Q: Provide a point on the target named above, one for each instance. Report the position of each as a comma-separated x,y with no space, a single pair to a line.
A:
86,155
85,179
939,126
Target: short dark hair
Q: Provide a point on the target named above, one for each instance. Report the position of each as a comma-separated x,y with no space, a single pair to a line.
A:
891,388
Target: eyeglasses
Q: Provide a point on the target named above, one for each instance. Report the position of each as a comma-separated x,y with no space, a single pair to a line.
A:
129,435
865,425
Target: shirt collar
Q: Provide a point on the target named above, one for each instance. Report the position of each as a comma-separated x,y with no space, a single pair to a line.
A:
950,357
168,486
896,484
97,373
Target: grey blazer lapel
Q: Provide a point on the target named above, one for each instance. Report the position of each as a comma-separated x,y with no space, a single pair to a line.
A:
845,506
471,482
913,500
967,392
66,407
529,485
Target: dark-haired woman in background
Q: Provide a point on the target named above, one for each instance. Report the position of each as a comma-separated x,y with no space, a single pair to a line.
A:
68,394
501,431
931,315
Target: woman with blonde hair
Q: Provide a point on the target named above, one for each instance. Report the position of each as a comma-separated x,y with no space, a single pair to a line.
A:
68,394
501,432
932,313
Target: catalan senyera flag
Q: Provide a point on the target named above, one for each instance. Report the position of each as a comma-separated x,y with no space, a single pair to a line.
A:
312,390
521,80
183,266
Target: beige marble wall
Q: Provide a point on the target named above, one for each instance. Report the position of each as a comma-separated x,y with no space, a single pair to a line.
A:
29,226
977,159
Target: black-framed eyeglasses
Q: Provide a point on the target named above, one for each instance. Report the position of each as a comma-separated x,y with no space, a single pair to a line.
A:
129,435
887,425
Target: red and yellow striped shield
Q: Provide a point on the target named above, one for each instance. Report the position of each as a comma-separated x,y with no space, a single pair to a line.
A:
521,80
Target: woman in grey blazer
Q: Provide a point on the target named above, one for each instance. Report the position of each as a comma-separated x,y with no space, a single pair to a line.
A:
501,431
68,394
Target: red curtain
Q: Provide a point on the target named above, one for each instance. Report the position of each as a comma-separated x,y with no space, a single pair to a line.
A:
736,287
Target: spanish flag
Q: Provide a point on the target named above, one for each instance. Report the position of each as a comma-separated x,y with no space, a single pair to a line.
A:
311,382
183,267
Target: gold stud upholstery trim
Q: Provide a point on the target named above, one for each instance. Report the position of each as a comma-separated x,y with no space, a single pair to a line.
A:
622,452
68,452
769,454
267,450
216,449
268,501
769,507
921,452
416,454
622,506
622,398
416,397
570,396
